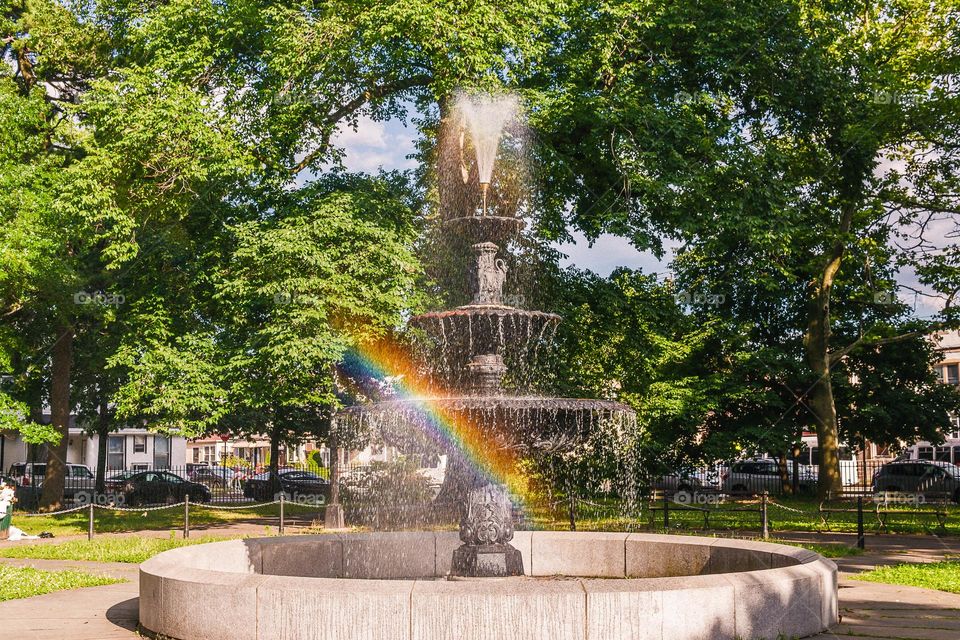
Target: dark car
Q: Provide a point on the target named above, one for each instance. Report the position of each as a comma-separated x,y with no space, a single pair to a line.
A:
159,487
926,477
294,484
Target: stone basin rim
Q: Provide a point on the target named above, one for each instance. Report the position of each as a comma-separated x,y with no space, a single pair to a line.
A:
747,589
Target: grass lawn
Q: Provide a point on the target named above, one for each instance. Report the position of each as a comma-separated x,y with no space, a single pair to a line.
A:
826,550
942,576
108,521
133,549
24,582
784,513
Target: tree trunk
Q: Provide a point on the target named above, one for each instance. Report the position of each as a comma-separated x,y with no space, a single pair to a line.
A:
785,484
61,361
275,485
817,345
103,432
334,471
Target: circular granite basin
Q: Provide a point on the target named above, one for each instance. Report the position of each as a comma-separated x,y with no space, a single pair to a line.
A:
577,585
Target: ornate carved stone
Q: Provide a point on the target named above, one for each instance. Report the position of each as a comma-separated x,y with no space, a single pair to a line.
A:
490,275
486,371
486,528
488,517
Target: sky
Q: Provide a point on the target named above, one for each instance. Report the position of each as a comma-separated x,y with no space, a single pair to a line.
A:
389,145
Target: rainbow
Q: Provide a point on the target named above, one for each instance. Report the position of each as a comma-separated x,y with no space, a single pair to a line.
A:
451,429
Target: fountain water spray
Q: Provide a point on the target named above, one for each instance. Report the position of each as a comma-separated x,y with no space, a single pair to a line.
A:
479,417
484,118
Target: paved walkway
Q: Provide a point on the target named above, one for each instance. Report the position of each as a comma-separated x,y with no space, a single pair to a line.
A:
93,613
870,611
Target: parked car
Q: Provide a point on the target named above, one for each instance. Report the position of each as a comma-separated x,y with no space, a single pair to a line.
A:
757,476
677,481
294,483
919,476
213,476
158,487
78,483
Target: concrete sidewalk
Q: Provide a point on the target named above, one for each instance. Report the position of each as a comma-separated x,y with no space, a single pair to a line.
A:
869,610
92,613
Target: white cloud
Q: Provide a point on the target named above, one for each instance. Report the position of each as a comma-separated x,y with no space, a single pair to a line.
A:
377,145
609,252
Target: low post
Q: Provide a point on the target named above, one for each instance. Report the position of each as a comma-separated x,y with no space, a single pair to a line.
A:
666,511
764,520
186,516
572,510
861,540
90,522
282,494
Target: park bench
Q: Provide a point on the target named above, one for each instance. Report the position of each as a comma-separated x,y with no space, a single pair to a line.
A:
664,502
882,507
660,502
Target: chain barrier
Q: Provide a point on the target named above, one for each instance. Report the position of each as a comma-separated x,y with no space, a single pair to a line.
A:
51,513
108,507
780,506
209,505
138,509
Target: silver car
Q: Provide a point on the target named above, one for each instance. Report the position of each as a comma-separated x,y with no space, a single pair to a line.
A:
757,476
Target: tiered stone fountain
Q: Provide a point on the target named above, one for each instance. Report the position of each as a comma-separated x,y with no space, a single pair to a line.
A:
486,582
477,339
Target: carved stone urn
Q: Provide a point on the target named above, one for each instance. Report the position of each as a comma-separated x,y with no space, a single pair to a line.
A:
486,529
490,275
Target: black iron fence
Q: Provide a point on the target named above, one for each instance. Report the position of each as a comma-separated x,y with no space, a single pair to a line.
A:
307,484
754,477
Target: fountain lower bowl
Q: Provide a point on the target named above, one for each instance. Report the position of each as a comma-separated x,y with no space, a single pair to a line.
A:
577,585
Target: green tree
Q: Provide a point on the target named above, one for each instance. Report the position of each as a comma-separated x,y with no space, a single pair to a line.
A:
787,145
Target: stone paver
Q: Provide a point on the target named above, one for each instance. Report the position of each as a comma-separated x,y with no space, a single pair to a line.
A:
870,611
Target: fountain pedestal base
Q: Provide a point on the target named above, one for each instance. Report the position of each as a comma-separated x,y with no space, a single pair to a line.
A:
487,561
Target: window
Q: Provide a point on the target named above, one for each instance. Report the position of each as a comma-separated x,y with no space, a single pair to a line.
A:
951,374
925,453
161,452
115,457
139,467
139,444
943,454
196,454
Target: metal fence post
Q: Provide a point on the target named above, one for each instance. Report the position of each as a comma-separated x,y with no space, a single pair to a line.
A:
90,522
764,520
186,516
571,508
281,512
861,540
666,511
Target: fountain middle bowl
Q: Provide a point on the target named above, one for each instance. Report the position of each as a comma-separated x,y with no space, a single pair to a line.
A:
577,585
